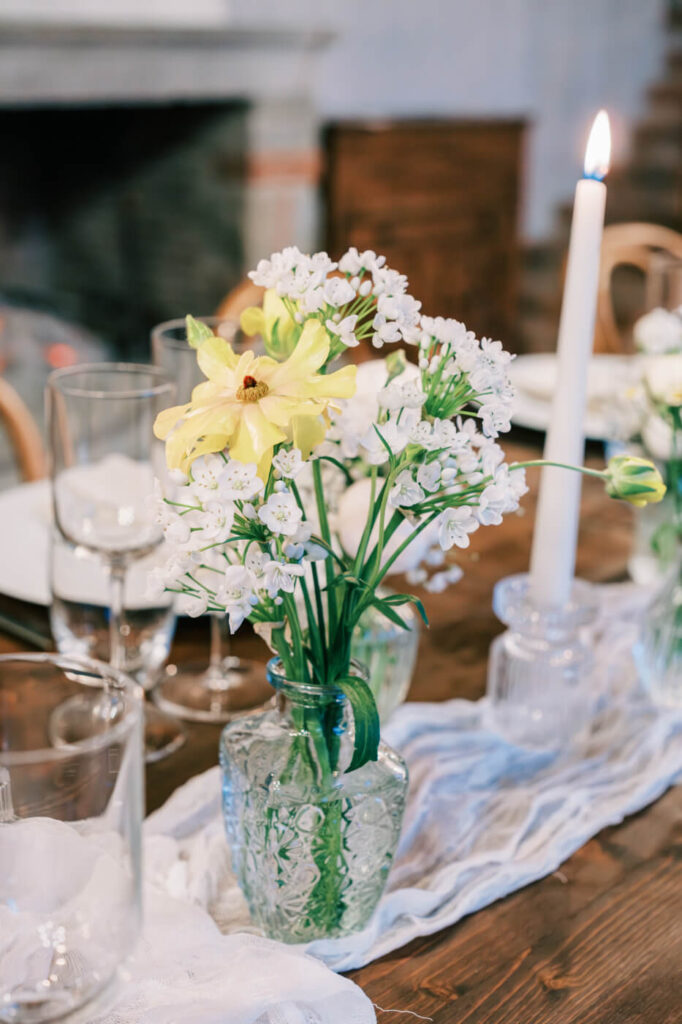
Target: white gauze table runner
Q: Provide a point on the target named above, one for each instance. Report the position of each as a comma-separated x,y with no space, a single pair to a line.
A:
483,817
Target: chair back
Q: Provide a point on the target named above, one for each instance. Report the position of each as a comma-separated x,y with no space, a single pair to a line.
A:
633,244
24,435
243,295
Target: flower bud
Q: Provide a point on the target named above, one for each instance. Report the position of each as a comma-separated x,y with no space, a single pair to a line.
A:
635,480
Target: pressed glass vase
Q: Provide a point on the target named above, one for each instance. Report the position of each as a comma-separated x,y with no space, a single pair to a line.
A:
650,559
658,651
389,653
311,842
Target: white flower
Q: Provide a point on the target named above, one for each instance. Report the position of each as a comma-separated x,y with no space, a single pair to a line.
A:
240,481
405,491
388,282
657,436
192,604
375,450
663,380
397,395
281,514
659,331
384,331
352,262
289,463
501,496
495,418
421,434
441,580
207,475
429,475
314,552
215,522
338,291
236,594
345,330
417,576
255,561
156,582
177,531
281,576
455,525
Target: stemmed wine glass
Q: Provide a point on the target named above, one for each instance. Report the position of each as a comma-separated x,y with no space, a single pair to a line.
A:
229,685
104,459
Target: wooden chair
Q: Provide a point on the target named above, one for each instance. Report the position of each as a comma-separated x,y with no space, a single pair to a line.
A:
29,452
632,244
243,295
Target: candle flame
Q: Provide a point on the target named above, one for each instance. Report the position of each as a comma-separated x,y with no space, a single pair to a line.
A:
598,151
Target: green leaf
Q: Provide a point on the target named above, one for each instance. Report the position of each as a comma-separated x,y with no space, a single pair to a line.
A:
398,599
365,719
386,445
197,332
390,614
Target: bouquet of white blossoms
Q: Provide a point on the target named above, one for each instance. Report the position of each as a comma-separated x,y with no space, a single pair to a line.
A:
270,444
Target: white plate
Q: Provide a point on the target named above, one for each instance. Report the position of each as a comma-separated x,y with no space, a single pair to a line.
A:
25,524
535,377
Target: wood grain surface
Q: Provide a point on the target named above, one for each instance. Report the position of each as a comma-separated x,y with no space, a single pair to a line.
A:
600,941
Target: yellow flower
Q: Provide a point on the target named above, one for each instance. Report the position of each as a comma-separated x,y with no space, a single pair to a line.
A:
249,404
273,323
635,480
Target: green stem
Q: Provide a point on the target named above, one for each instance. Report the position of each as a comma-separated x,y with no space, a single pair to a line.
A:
599,473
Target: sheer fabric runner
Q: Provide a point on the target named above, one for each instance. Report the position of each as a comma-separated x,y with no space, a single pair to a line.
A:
483,818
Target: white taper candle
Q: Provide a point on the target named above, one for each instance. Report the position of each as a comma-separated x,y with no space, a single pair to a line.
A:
556,526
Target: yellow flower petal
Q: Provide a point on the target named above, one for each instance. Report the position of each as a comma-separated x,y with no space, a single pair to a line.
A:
215,357
167,419
307,432
255,436
340,384
309,355
252,321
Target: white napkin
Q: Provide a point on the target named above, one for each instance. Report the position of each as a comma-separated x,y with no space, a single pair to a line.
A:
483,817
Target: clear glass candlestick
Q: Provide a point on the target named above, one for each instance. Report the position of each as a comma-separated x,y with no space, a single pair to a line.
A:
540,674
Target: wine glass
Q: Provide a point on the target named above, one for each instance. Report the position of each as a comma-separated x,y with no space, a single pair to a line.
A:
104,459
229,685
664,282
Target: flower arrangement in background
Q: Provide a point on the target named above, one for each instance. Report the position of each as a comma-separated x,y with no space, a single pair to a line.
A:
653,416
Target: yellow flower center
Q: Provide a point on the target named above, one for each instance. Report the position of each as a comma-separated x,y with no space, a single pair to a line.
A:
251,390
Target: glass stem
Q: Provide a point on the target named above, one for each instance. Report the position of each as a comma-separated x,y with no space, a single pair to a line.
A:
117,576
220,660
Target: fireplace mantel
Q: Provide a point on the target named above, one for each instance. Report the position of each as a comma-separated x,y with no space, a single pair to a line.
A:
58,63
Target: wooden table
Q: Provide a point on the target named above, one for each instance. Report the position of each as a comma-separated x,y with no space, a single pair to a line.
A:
598,942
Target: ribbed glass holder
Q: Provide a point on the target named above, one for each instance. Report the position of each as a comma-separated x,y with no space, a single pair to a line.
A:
540,673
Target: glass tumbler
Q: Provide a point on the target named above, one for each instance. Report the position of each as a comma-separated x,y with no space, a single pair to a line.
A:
70,825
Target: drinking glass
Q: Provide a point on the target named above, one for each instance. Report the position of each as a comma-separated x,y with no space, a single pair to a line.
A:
70,827
104,459
229,685
664,282
79,609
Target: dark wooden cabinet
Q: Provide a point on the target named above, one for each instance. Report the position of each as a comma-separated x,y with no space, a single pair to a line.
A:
440,200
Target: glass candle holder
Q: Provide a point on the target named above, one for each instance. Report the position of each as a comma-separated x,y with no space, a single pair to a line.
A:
540,673
70,826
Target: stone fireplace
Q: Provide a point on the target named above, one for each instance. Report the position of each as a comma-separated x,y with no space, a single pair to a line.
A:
144,170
